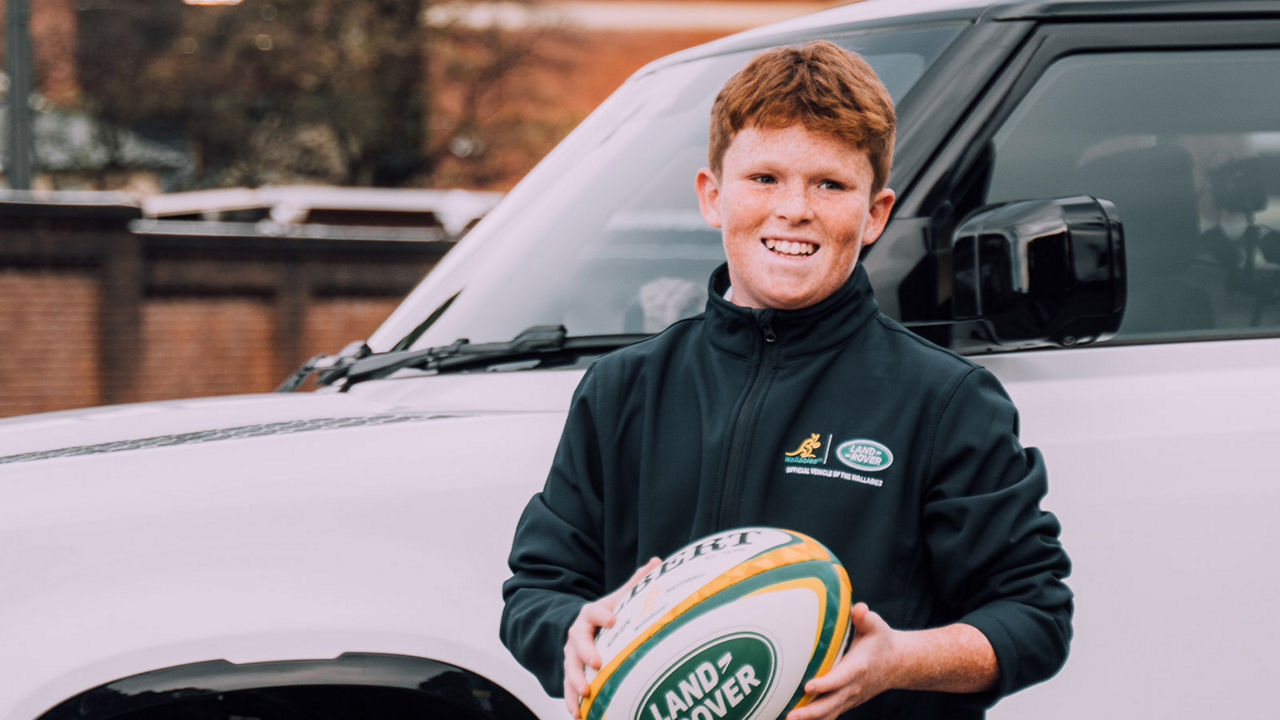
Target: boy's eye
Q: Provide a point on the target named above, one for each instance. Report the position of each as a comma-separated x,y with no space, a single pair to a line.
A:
764,179
831,185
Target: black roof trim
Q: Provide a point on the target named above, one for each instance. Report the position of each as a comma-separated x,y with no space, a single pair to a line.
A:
1135,9
975,11
68,205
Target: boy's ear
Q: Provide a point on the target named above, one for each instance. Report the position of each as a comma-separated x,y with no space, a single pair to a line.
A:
878,215
708,188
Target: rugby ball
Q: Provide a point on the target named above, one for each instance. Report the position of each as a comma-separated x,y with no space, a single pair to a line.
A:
729,627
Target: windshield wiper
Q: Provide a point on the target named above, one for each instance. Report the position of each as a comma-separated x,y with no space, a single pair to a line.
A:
330,367
549,345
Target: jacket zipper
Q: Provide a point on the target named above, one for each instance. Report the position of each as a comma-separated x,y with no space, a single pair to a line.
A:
739,439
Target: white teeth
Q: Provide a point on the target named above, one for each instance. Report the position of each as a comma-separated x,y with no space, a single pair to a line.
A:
789,247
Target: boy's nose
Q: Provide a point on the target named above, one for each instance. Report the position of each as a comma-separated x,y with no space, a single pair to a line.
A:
793,204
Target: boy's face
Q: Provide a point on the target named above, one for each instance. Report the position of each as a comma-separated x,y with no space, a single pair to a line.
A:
795,208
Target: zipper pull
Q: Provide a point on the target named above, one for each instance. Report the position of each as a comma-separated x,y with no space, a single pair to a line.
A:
766,328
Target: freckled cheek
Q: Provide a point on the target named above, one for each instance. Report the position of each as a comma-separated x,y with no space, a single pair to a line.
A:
742,231
743,221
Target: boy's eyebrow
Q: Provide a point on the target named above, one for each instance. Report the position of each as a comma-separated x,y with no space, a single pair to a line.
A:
834,172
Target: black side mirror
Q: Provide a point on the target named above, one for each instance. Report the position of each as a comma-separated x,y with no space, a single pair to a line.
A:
1039,272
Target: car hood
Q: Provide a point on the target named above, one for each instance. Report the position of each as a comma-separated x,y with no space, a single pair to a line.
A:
321,417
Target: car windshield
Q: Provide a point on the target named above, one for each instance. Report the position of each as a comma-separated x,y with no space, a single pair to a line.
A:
604,236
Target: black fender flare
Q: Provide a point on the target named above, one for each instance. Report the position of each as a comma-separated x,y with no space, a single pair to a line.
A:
464,692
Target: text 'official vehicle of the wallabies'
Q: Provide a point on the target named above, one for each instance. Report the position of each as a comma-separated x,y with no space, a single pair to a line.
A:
1088,205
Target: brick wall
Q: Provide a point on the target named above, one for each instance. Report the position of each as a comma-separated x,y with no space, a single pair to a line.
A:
206,346
331,323
48,340
93,312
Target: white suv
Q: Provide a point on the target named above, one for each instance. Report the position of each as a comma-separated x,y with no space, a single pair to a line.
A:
1085,206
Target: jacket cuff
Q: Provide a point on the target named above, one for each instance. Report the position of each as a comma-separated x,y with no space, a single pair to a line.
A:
987,622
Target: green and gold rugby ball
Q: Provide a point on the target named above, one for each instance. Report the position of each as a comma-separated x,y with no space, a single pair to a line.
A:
729,627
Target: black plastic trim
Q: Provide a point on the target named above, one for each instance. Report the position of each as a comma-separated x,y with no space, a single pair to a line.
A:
1077,10
459,689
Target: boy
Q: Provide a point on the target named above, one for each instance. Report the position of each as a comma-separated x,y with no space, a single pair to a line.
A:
691,431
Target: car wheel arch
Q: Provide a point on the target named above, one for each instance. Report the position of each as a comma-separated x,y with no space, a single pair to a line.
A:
280,690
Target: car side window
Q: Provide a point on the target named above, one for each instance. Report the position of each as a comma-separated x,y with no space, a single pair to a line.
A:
1187,145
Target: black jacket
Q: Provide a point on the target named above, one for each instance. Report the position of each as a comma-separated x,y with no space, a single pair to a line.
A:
833,420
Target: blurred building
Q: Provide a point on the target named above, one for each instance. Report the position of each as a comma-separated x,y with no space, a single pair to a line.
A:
139,296
498,100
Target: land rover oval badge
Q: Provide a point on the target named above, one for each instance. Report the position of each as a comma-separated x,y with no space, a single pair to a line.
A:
725,679
865,455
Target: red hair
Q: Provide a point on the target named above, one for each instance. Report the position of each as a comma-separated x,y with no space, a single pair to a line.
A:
819,85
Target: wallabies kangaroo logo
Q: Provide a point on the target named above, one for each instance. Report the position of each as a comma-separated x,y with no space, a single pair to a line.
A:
807,447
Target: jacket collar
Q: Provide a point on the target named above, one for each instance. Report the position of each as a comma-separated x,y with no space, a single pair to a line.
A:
822,326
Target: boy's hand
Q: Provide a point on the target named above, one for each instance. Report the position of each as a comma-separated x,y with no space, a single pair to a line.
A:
954,658
863,672
580,644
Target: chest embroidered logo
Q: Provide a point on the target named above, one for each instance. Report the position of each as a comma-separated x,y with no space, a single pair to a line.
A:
807,447
804,455
862,454
865,455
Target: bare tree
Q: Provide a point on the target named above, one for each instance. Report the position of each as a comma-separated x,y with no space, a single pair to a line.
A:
493,112
356,92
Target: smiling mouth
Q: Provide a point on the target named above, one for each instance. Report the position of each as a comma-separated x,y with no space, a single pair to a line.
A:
791,248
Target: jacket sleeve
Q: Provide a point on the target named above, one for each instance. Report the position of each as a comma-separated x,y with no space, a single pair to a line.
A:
996,555
556,559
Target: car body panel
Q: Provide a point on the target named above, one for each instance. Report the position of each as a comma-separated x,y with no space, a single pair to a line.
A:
162,555
125,523
1160,472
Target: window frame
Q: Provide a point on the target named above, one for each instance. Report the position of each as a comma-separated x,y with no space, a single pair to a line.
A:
943,194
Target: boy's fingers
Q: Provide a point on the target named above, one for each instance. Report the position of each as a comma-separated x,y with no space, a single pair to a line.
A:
636,576
862,618
826,683
813,710
643,570
580,645
571,696
571,699
597,615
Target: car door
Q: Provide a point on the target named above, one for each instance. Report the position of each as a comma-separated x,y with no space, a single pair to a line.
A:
1160,441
